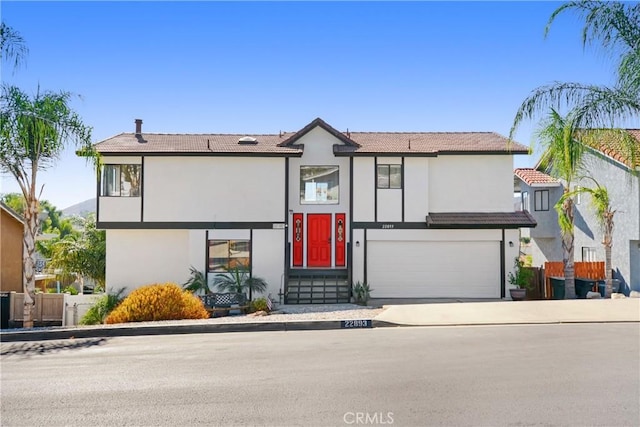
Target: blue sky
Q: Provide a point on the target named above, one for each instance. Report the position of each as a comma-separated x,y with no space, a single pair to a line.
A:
262,67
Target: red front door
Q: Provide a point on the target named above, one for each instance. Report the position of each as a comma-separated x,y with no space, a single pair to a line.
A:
319,240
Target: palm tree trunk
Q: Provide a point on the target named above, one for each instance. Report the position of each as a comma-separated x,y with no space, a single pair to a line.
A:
607,241
28,253
568,252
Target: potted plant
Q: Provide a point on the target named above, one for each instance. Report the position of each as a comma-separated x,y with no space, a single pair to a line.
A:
521,279
361,293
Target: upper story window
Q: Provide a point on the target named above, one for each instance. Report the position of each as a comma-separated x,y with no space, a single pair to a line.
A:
225,255
541,200
389,176
525,201
588,254
319,185
121,180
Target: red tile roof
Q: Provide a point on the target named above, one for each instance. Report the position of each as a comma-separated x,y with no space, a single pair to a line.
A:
613,150
533,177
406,143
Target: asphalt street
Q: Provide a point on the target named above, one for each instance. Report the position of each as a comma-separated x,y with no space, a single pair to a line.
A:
580,374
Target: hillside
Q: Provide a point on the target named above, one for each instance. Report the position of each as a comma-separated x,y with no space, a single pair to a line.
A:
81,209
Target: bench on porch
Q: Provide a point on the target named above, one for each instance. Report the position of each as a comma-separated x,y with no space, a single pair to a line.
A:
219,304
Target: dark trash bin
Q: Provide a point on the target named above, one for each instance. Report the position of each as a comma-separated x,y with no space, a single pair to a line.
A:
602,286
583,287
557,286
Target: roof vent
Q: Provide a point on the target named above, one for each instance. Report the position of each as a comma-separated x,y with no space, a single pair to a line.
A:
247,140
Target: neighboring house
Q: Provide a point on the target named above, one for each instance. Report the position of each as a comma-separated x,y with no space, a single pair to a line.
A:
412,214
539,193
612,171
11,228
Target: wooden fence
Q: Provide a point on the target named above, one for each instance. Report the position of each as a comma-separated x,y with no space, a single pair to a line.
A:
48,309
536,289
588,270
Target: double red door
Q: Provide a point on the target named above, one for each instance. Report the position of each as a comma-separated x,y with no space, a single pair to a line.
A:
319,239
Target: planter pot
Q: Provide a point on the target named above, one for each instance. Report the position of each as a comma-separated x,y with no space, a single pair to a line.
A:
518,294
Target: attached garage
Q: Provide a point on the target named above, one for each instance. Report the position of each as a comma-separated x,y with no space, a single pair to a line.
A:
434,269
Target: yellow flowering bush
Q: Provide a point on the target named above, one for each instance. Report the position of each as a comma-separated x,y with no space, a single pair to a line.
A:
164,301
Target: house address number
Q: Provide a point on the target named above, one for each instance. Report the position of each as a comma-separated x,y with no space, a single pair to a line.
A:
388,226
356,324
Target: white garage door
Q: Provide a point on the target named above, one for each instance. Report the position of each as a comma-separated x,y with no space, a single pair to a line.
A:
418,269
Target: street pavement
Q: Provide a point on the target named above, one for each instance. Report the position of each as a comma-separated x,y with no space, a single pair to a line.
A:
393,315
518,375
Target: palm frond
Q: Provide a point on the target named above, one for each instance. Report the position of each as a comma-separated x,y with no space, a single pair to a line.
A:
595,106
12,45
563,153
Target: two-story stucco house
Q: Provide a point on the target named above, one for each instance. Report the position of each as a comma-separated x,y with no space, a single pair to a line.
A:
540,192
412,214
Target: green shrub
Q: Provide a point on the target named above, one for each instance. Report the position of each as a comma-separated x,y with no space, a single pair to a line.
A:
362,292
165,301
69,290
259,304
99,312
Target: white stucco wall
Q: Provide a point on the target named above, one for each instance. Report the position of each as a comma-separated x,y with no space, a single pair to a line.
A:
219,189
120,209
389,199
268,259
141,257
461,183
510,254
364,182
416,189
358,256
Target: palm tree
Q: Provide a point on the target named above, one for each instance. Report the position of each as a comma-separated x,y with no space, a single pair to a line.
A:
615,27
239,280
33,133
601,205
562,157
197,282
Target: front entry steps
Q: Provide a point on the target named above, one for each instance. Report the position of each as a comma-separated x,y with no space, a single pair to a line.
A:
317,287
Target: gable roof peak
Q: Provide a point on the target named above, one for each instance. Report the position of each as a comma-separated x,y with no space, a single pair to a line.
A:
318,122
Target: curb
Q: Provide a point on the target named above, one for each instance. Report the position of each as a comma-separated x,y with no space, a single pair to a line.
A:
115,331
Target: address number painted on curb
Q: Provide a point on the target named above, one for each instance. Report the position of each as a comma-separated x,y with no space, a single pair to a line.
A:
356,324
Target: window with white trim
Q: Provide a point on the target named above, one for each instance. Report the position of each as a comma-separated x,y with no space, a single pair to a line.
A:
588,254
541,202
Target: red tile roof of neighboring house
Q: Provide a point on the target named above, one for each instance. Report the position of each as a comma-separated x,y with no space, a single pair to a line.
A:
405,143
533,178
616,152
